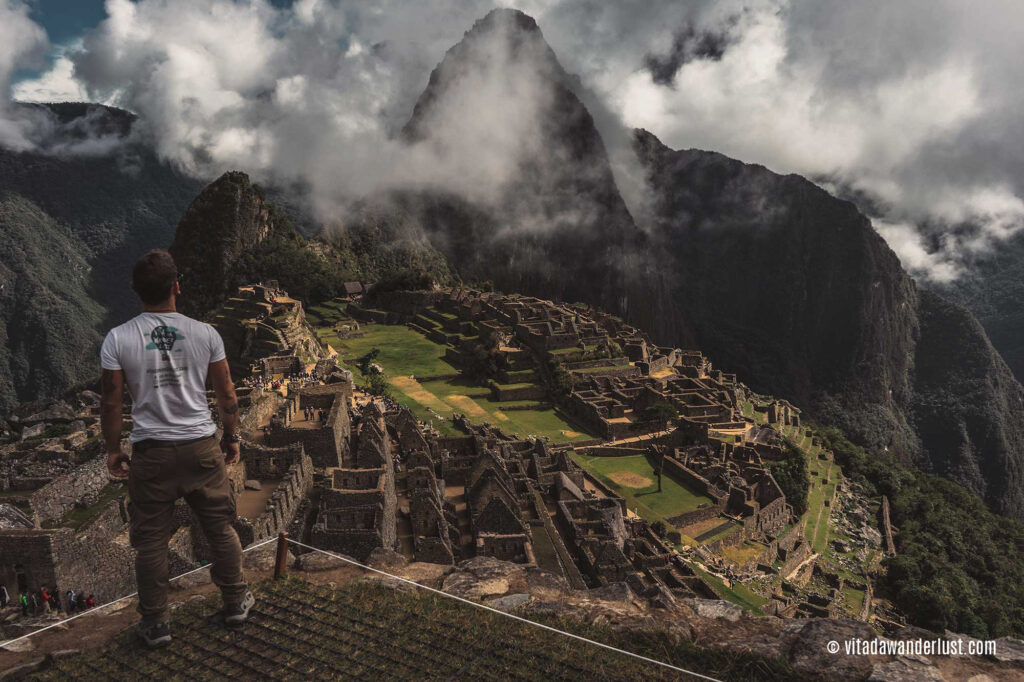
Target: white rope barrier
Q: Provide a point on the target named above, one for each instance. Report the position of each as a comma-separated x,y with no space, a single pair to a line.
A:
504,613
97,609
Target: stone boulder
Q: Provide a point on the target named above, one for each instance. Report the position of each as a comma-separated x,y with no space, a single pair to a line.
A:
385,559
315,562
809,652
904,669
32,431
57,413
716,608
1009,650
253,484
509,602
482,577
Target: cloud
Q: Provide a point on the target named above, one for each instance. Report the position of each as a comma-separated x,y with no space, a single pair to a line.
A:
58,84
24,45
912,106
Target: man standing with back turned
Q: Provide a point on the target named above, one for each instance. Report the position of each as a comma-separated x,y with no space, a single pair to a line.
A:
165,358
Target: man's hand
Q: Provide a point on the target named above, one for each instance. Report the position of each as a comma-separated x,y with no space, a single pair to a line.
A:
117,464
231,451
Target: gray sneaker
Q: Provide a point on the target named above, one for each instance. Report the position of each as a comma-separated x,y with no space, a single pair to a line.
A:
236,614
154,634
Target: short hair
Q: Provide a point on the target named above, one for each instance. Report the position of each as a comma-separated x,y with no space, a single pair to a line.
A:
153,276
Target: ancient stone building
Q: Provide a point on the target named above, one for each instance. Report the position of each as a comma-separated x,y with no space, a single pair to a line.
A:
326,442
358,505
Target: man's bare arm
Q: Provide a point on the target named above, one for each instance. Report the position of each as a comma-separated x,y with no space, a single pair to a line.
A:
227,407
111,406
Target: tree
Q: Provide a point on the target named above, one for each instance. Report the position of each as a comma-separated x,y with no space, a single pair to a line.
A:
365,361
377,384
791,475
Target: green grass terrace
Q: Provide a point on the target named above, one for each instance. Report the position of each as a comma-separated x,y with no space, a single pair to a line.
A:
633,478
434,389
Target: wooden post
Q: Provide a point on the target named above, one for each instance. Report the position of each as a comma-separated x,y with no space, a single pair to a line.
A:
282,555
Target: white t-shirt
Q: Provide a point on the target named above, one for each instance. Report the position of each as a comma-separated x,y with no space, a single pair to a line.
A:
165,358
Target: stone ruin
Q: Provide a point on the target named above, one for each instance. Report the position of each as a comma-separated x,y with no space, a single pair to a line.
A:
358,503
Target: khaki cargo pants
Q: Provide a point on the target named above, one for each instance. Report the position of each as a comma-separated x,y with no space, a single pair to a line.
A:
159,476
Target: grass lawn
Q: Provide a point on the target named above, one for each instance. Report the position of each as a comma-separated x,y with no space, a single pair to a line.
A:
633,478
743,552
854,598
449,396
326,314
738,593
405,352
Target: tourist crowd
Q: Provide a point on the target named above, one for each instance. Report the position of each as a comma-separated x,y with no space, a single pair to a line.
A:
44,601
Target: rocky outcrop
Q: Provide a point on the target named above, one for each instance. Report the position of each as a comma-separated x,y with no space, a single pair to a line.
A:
968,407
803,644
229,217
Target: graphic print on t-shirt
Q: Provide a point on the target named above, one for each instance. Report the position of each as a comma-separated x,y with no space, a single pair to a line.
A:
163,338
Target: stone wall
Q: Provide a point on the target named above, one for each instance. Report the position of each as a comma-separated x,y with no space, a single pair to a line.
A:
58,497
691,517
30,554
326,444
261,410
295,469
96,560
788,540
794,558
531,392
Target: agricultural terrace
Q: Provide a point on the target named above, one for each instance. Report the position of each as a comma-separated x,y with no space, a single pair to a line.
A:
633,478
430,386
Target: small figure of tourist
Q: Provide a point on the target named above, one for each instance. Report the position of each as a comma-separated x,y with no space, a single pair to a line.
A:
45,596
24,604
89,603
55,598
35,604
5,598
69,597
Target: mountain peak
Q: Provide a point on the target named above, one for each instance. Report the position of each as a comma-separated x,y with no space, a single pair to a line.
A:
507,19
229,217
503,41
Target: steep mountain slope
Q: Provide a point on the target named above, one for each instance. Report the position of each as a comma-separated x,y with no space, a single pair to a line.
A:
46,314
97,199
784,283
968,406
557,225
993,290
